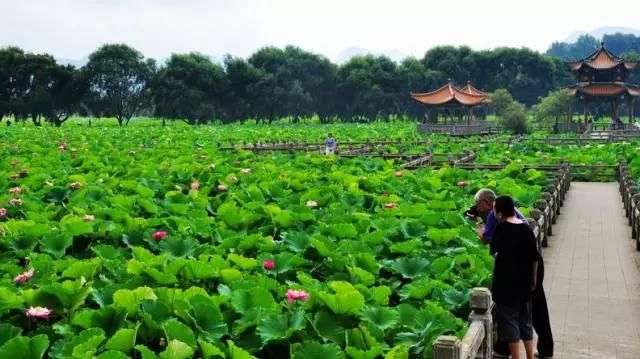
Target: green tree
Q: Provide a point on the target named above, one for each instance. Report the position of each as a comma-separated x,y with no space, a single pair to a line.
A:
368,88
500,100
514,118
300,82
555,108
118,77
189,87
414,77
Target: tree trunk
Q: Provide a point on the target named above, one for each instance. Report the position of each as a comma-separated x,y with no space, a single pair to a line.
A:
36,120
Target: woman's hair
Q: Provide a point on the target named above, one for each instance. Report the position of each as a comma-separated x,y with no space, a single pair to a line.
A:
504,205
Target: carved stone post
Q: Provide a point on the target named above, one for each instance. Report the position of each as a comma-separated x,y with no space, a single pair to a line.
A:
539,218
543,206
553,205
481,305
447,347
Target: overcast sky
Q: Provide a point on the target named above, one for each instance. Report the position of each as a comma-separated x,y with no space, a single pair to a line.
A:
74,28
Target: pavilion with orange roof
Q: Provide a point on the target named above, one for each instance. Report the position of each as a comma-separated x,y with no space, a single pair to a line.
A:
450,96
602,76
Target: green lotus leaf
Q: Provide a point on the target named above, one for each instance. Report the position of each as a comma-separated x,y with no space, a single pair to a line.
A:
25,347
175,330
177,350
315,350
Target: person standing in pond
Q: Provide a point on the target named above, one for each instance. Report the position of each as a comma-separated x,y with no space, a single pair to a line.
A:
514,277
331,144
484,202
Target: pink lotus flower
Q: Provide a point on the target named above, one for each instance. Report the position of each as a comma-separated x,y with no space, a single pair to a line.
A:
293,295
159,235
462,184
195,185
234,179
15,176
221,188
3,212
89,218
75,185
15,190
38,312
61,148
15,202
390,205
24,277
212,166
246,171
269,264
312,204
399,174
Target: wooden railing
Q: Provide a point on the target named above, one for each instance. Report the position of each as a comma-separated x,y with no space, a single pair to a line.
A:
630,193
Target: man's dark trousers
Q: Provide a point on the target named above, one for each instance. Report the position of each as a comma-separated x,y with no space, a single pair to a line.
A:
541,323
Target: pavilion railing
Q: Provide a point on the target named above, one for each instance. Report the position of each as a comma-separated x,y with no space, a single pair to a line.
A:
468,128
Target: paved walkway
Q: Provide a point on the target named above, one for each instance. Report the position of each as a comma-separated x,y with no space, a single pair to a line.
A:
593,277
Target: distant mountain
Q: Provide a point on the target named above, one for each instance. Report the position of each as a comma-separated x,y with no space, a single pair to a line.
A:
601,31
346,54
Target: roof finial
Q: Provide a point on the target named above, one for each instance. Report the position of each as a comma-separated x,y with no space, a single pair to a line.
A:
449,80
602,44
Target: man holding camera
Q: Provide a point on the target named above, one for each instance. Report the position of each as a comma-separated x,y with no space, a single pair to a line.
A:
482,212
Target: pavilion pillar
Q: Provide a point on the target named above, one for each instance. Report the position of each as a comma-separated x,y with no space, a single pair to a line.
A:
586,110
632,108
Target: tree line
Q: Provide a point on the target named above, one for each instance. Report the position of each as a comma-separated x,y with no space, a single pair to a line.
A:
273,83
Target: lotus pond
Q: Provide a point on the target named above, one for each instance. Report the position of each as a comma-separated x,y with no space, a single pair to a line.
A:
150,242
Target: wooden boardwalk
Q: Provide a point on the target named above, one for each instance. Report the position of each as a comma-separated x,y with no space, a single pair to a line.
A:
592,277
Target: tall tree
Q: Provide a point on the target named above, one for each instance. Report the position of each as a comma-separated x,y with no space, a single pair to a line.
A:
118,77
189,87
11,91
368,88
414,77
555,108
302,81
68,89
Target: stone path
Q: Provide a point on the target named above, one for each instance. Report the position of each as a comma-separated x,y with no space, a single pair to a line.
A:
592,277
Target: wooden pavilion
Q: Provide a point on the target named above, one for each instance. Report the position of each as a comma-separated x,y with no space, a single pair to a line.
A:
451,99
602,77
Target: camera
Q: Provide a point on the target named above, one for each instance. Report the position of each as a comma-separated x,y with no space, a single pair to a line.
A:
472,213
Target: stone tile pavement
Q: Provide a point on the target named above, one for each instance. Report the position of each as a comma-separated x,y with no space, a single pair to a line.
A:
592,277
